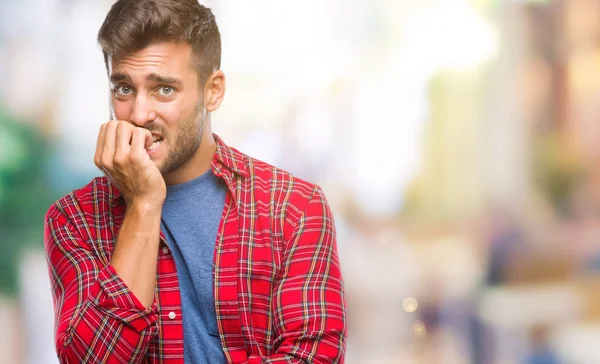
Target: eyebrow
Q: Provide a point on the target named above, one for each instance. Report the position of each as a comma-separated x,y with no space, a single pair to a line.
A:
119,77
162,79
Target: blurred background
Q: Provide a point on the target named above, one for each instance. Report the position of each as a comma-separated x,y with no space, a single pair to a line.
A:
457,142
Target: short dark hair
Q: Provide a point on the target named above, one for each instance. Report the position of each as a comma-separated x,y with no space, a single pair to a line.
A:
132,25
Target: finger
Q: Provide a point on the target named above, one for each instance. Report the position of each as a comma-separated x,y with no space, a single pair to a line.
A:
141,139
108,154
100,147
149,139
122,141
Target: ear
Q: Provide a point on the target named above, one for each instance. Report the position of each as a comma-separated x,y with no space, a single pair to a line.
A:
214,91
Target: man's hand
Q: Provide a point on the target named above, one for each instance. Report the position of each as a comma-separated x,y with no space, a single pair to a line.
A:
121,155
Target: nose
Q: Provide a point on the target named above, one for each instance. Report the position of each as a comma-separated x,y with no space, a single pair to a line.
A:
143,111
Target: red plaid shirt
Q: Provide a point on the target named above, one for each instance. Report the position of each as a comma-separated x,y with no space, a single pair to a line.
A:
278,289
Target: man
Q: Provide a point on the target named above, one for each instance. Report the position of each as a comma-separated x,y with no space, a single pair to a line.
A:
187,249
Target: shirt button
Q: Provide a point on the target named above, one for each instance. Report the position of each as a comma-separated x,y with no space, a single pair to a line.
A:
172,315
165,250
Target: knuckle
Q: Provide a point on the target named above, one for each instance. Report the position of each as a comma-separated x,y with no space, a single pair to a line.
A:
121,124
106,163
120,160
132,158
125,128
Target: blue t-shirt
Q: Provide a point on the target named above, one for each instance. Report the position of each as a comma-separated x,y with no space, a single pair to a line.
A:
190,220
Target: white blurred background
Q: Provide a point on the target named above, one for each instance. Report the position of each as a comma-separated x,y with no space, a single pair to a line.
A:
456,142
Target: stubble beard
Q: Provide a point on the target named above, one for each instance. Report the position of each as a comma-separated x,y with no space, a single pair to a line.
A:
186,141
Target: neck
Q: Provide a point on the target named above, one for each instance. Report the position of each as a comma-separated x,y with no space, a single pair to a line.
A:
199,163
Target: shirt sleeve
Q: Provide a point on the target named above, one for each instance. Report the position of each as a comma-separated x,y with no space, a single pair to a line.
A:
308,303
98,319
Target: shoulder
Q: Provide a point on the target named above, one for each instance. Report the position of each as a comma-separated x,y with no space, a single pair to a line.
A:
288,199
265,180
292,204
92,198
276,179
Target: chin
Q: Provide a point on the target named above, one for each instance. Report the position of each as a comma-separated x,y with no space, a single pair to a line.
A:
158,165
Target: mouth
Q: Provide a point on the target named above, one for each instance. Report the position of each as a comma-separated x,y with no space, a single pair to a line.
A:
156,142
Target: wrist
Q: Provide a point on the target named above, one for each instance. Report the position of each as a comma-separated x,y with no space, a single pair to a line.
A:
146,205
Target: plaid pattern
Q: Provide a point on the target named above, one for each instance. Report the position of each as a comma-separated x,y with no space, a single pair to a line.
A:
278,288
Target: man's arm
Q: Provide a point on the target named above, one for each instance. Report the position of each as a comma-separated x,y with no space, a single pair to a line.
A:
136,252
98,318
308,301
104,310
121,155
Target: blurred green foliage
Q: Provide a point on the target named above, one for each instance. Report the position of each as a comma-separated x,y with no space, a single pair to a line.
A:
25,195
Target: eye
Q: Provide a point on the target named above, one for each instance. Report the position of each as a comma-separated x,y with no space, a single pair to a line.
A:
123,90
166,91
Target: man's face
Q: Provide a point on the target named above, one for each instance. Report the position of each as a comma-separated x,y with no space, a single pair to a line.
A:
158,89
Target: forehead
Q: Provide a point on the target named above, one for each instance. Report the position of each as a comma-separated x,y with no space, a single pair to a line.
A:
169,58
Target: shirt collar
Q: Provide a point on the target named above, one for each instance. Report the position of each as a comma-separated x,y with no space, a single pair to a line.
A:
230,158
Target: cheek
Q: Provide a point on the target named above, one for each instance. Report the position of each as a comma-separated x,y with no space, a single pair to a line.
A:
168,112
122,109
